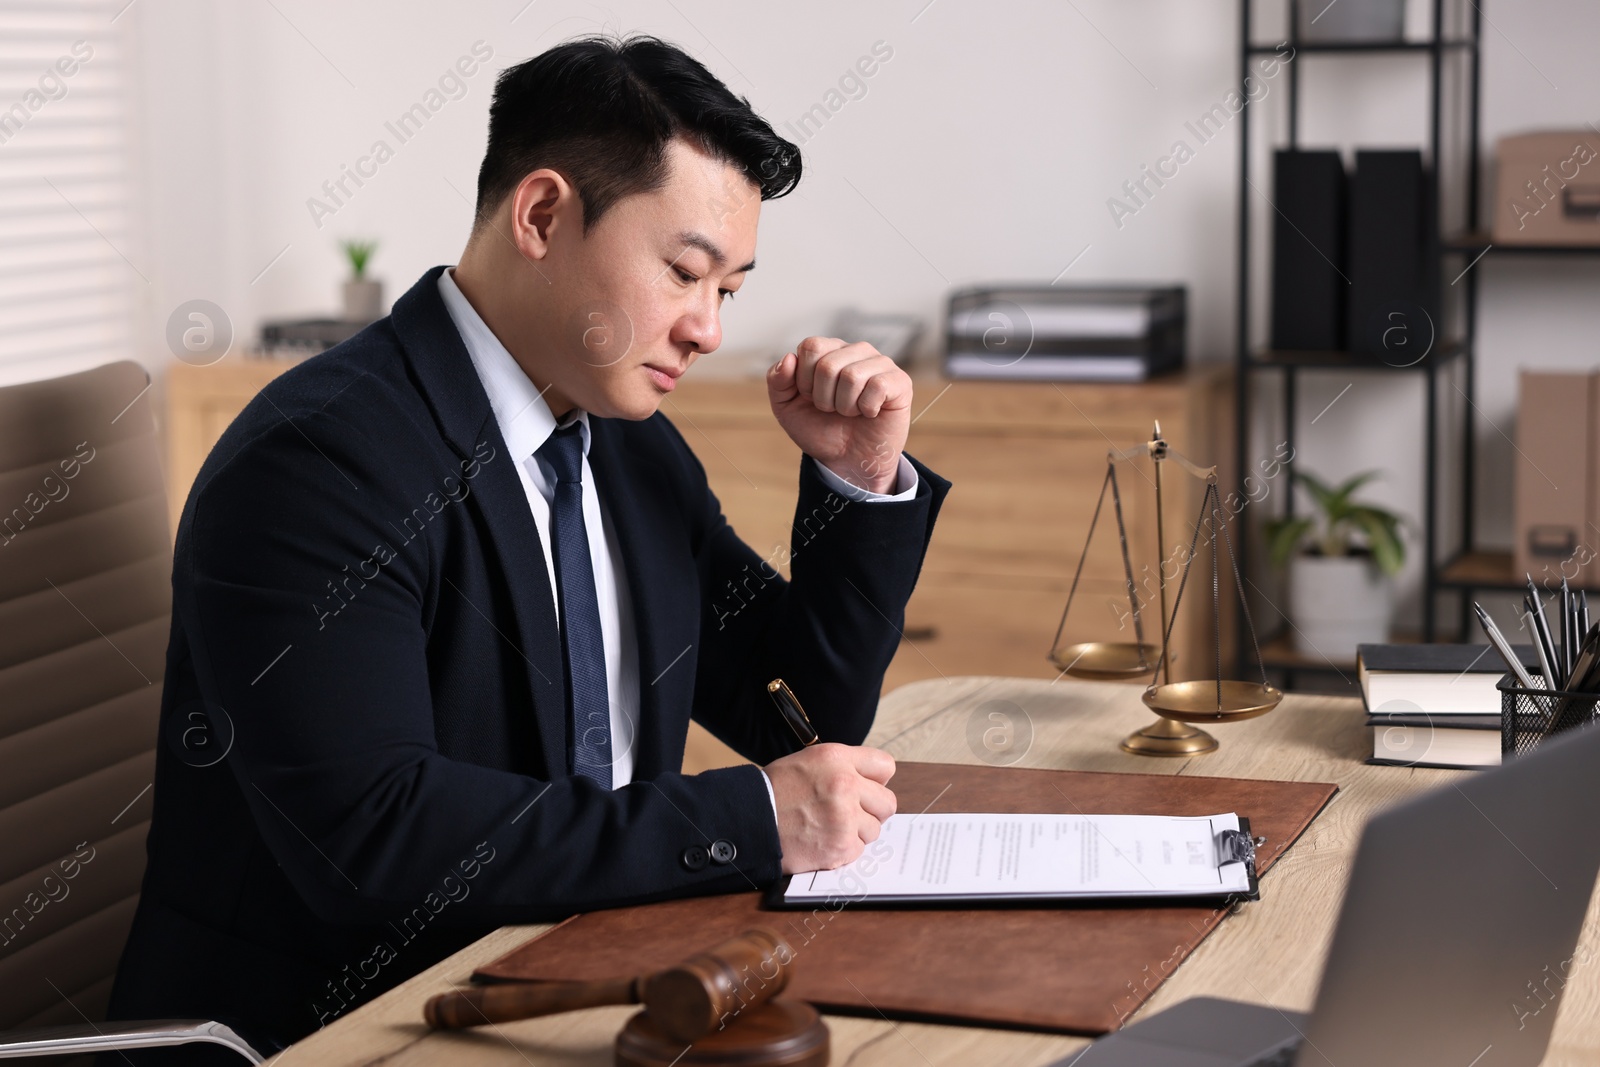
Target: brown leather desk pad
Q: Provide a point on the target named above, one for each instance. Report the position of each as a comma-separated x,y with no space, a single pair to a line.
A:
1069,968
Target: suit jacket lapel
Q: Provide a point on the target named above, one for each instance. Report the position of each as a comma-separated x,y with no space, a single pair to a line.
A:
451,387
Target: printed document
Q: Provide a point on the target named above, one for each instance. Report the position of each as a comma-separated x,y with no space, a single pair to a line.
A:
983,856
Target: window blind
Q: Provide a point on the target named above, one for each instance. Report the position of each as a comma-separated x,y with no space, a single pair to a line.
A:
67,273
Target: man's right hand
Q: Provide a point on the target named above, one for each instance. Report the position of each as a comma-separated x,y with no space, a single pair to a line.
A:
832,800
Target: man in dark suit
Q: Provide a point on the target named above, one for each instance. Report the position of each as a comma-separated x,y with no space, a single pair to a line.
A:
446,596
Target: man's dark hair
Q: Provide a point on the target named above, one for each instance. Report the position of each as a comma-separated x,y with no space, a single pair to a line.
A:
601,110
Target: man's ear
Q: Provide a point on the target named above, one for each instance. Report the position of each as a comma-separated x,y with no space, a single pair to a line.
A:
542,202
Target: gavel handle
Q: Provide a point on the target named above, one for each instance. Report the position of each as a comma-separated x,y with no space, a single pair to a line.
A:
524,1000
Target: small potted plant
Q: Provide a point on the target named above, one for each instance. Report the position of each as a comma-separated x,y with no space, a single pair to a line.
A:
363,296
1341,564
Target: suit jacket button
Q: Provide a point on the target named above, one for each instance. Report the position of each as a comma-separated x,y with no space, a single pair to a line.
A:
723,851
694,858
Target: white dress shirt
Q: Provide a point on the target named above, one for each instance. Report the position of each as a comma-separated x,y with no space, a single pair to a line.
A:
526,422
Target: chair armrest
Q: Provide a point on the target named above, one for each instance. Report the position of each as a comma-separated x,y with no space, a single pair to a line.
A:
99,1037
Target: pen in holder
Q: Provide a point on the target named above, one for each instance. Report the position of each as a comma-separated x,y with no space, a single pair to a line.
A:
1528,716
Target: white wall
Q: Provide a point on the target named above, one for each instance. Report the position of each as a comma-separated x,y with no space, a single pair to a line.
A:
985,149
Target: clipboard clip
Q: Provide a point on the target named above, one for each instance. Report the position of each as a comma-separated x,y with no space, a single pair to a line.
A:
1237,846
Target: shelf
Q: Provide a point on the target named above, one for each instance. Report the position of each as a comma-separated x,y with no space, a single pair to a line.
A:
1481,242
1358,47
1289,357
1485,570
1281,653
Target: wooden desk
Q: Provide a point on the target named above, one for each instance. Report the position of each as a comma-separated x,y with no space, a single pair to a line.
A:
1271,951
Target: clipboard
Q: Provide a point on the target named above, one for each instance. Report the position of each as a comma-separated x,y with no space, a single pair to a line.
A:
852,886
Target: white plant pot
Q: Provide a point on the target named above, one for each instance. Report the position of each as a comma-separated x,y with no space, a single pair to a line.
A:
363,300
1336,604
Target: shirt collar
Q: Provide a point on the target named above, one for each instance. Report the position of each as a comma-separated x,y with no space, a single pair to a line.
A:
524,417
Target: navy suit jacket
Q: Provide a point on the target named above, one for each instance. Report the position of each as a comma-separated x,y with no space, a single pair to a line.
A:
365,752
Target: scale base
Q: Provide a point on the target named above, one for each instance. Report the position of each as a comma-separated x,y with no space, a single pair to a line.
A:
1168,737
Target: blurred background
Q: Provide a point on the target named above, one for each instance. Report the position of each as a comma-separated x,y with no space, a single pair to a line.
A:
187,157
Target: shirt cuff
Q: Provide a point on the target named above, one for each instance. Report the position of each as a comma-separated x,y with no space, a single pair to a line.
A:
905,484
771,796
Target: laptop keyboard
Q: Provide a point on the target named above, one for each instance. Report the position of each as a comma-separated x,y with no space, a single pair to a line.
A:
1282,1056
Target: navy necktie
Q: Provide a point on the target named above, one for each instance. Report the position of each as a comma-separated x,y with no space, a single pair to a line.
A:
581,640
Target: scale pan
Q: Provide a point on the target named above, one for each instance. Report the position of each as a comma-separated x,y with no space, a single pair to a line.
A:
1196,701
1106,660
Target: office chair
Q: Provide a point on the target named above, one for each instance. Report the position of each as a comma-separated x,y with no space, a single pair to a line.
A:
85,607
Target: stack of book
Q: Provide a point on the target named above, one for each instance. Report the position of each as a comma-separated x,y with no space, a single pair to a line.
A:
1434,705
1061,333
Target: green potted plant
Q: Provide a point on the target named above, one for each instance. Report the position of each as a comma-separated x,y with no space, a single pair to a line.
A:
363,296
1342,561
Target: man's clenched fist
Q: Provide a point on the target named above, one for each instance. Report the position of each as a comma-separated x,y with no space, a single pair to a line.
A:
832,800
847,406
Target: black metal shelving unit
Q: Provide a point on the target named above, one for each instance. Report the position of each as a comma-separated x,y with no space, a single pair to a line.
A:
1453,350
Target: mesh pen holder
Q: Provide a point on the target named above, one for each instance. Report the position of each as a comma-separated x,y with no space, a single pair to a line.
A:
1528,716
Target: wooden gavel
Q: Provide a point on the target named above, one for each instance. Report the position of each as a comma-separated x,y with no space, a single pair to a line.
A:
687,1001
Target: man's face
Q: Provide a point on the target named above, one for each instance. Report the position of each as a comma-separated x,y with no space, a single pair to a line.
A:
639,298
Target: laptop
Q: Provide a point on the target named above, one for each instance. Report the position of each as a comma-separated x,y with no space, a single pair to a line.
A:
1455,939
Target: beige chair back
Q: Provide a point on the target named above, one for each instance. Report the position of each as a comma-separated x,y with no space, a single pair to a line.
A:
85,609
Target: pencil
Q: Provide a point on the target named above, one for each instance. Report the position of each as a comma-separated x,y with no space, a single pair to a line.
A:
1503,647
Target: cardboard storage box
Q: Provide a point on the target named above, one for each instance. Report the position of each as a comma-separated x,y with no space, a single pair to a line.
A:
1556,520
1547,189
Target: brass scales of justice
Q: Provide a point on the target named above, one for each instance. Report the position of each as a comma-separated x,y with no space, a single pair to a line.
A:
1180,705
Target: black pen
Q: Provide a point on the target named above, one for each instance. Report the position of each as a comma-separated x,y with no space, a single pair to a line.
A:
792,712
1540,647
1547,645
1569,640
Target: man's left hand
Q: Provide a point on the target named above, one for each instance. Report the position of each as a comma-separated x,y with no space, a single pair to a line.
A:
847,406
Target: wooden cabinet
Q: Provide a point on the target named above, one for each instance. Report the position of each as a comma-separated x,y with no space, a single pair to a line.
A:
1027,462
